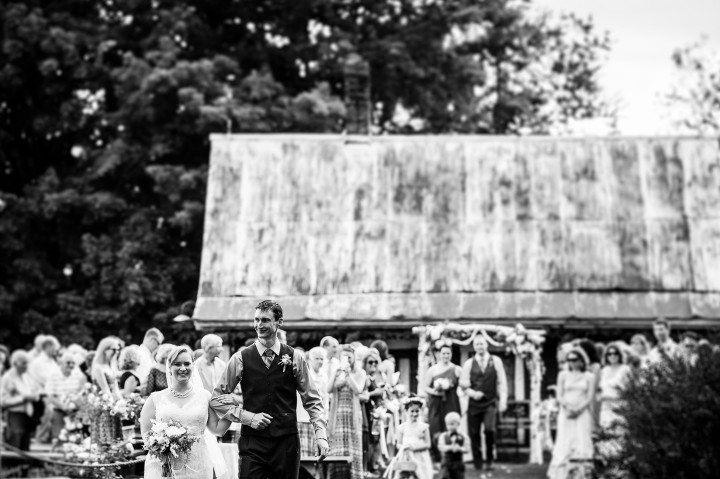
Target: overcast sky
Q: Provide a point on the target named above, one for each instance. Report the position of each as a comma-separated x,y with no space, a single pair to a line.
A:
645,33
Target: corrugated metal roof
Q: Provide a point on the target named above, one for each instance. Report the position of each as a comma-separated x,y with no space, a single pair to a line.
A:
404,310
453,227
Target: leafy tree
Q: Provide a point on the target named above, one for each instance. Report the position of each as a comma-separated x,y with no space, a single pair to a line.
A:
694,100
106,108
105,123
498,66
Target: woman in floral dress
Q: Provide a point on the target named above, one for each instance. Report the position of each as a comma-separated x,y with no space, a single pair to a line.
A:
346,385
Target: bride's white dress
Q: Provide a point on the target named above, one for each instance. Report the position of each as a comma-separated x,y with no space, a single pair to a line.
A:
193,414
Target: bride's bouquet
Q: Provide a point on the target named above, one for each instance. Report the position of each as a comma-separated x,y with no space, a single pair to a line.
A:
167,440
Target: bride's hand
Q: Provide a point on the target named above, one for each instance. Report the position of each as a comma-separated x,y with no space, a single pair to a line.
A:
226,399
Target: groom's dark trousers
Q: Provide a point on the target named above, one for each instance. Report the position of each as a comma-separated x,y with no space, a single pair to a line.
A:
273,452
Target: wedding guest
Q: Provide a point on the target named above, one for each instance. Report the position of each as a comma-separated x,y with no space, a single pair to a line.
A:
40,368
18,395
575,391
316,359
4,358
157,379
387,362
641,348
665,346
331,347
103,374
210,367
441,383
594,367
146,351
128,362
689,347
37,346
613,377
375,390
345,419
45,363
79,352
86,365
60,387
561,354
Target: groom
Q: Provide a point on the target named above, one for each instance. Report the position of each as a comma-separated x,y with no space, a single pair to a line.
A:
269,373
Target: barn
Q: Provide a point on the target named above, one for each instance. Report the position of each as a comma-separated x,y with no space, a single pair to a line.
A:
367,237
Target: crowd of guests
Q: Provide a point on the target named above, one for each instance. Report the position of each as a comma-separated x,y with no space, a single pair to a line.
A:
371,417
591,377
358,384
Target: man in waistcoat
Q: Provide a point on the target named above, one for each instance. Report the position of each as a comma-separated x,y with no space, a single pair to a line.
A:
269,374
483,379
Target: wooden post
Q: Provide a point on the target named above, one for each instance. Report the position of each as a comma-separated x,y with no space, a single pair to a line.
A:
357,94
536,454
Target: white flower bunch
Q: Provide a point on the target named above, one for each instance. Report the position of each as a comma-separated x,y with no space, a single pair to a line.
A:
166,441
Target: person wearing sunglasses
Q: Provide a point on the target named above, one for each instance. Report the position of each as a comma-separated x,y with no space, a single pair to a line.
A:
372,399
573,444
613,377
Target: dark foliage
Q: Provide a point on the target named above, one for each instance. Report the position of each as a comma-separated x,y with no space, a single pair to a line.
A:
672,410
106,108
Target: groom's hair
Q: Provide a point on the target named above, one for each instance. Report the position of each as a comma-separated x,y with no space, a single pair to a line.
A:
270,305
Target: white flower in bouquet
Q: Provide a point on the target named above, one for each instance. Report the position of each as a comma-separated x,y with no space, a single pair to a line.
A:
442,384
174,431
159,427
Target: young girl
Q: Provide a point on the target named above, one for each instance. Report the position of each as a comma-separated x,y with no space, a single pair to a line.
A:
413,438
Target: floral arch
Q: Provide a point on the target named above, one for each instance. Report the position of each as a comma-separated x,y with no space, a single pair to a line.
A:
525,343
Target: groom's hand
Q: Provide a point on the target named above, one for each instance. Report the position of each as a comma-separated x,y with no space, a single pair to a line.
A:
260,421
323,449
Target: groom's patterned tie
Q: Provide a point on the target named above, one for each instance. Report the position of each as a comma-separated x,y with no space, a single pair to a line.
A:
268,356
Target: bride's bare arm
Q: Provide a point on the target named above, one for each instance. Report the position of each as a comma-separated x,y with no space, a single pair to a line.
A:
146,415
216,425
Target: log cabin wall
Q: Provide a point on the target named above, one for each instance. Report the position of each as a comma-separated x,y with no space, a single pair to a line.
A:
392,230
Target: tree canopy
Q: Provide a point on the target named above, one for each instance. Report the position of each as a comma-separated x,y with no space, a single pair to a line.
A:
694,99
106,108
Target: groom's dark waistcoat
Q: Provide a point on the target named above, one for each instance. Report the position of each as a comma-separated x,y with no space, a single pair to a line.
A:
269,390
485,381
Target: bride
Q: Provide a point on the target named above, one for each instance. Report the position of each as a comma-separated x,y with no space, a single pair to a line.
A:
189,405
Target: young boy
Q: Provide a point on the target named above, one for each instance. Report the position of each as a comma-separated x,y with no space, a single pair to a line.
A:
452,444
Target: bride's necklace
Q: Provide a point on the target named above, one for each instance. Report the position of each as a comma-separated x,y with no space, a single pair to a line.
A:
181,395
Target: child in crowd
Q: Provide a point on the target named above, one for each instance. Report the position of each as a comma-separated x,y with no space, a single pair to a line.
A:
452,444
413,438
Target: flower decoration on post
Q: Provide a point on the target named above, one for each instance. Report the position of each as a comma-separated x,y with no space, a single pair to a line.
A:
285,361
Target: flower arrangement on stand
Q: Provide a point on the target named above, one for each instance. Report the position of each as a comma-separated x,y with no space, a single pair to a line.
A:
92,434
88,454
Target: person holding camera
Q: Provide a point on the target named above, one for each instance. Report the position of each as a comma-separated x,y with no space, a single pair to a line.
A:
347,387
